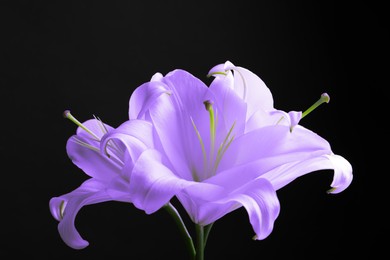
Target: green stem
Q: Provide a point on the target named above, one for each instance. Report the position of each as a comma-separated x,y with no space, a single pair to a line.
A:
207,232
179,221
200,239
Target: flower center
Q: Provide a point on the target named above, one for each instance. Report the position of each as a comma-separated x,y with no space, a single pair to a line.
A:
213,159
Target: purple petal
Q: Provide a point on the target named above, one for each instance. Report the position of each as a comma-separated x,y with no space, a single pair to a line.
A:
140,129
275,146
281,157
152,184
257,196
66,207
276,154
144,97
342,173
173,117
128,141
342,178
274,117
92,162
250,88
231,107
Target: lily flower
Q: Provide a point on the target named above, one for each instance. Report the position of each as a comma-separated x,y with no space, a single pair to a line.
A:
223,147
105,161
216,148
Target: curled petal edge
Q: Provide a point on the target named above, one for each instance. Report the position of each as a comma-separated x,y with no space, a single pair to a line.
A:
65,209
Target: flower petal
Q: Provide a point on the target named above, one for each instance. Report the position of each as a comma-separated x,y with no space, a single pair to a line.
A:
250,88
275,146
152,184
174,117
342,178
342,173
144,97
92,162
128,141
257,196
140,129
230,106
66,207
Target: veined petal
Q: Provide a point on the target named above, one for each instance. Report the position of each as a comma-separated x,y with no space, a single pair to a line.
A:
289,119
152,184
275,145
140,129
66,207
342,173
144,97
91,161
231,107
131,138
284,174
262,118
174,117
172,135
250,88
258,197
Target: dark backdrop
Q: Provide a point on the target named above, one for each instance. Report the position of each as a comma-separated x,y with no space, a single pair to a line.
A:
88,56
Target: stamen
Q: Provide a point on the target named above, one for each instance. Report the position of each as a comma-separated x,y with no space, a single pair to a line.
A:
69,116
201,144
323,99
111,143
280,120
103,128
223,147
93,148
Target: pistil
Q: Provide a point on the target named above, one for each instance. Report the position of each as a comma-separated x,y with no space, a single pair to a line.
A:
69,116
209,108
323,99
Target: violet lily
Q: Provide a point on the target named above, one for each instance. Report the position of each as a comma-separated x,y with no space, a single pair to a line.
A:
223,147
215,148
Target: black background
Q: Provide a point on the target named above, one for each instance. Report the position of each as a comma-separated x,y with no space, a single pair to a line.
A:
88,56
